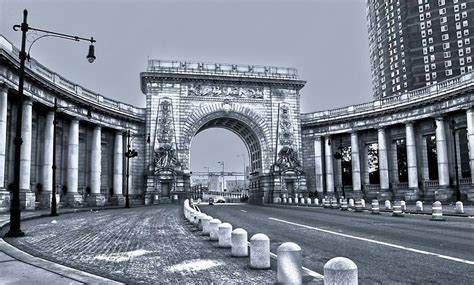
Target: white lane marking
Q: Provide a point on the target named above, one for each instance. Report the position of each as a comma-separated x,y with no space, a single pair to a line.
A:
243,211
306,270
379,242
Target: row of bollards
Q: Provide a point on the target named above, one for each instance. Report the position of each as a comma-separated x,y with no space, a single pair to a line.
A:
398,208
338,270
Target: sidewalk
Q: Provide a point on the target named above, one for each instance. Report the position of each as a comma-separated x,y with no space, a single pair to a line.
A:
19,267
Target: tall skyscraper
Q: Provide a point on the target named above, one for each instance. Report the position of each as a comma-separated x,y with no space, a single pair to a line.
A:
416,43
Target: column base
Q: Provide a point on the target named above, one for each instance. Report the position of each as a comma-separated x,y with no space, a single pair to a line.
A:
73,200
442,194
412,195
95,200
27,200
44,200
385,195
117,200
4,200
151,198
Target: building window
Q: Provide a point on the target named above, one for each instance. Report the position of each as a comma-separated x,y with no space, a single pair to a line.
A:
443,20
432,157
373,163
459,43
447,63
466,32
447,54
445,37
461,52
346,165
446,46
461,61
402,163
448,72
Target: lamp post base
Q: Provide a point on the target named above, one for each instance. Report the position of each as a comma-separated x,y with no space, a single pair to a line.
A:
18,233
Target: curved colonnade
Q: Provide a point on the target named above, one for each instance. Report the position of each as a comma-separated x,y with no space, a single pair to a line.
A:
90,139
407,146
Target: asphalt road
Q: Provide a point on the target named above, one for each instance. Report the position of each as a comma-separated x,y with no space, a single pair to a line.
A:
410,249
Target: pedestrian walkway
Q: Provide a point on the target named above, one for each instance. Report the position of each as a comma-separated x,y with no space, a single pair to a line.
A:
19,267
139,245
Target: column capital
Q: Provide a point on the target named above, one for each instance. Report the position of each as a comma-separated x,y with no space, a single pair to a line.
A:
27,101
3,88
409,123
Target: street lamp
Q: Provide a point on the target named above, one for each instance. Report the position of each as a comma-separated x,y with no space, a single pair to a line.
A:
338,156
452,126
208,177
15,210
222,163
55,122
131,153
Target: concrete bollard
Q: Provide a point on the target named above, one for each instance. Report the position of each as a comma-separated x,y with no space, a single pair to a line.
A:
459,208
316,201
375,207
290,200
278,200
308,201
344,206
388,205
340,270
296,200
206,222
437,212
302,200
404,206
214,229
260,252
285,201
224,234
397,209
326,203
358,206
351,203
362,202
200,217
419,206
334,204
289,264
240,248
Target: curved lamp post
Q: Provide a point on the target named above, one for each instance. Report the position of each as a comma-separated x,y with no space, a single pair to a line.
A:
15,209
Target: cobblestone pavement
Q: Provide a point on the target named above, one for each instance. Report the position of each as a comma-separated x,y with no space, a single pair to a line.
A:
138,245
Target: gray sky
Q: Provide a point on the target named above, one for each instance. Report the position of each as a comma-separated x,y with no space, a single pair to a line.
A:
325,40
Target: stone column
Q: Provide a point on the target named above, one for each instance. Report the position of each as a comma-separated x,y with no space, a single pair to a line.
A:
74,199
383,161
356,183
442,152
411,157
45,197
118,169
329,166
96,198
4,193
470,135
318,165
27,198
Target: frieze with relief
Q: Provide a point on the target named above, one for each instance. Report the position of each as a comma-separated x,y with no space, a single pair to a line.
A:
225,91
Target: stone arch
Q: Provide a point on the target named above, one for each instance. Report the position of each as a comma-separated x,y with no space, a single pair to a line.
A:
244,122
